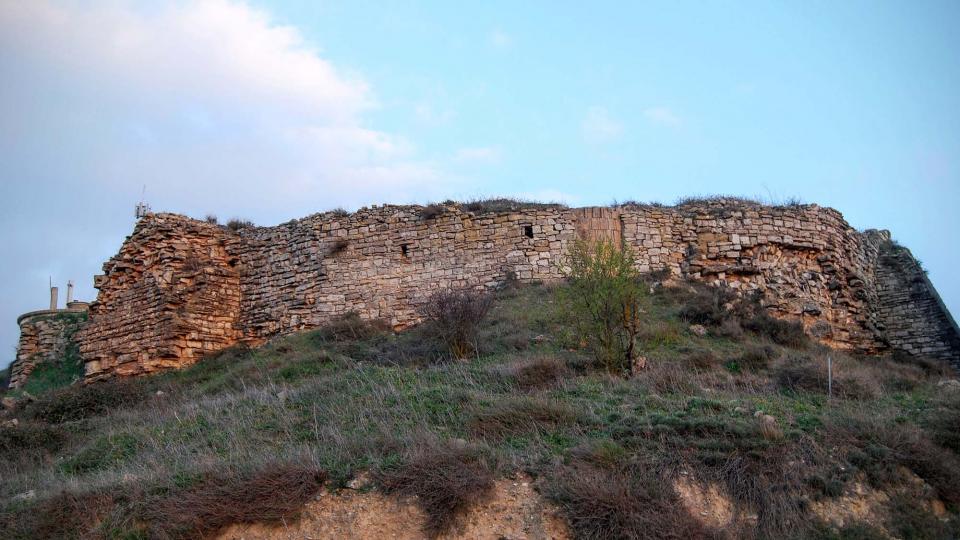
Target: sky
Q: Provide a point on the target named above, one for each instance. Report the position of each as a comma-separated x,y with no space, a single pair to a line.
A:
273,110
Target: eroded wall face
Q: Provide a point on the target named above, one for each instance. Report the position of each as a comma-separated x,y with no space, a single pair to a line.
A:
170,296
910,311
180,288
44,337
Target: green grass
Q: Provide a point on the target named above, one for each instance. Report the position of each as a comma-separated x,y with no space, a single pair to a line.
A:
532,400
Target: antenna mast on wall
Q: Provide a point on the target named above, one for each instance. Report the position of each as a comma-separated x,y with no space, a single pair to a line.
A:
142,208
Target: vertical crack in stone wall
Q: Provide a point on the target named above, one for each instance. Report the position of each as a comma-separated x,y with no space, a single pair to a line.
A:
181,288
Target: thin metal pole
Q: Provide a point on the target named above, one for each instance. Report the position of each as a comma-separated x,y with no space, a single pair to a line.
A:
830,377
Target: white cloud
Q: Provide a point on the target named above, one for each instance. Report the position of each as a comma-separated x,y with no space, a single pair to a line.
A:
500,39
477,155
212,87
662,116
210,104
599,127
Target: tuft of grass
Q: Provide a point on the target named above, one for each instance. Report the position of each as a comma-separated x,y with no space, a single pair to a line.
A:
519,416
539,372
103,453
445,477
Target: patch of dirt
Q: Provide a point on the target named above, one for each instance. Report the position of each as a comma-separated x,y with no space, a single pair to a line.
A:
705,502
513,511
859,503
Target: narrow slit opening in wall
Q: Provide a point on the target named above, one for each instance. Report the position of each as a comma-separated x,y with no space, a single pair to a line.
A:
528,231
405,250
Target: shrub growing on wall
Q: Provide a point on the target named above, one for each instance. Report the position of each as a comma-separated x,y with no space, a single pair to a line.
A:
605,298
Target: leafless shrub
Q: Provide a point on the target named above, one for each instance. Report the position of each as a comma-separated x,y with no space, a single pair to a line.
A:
624,503
236,224
348,326
211,219
67,514
432,211
446,478
339,213
454,318
266,495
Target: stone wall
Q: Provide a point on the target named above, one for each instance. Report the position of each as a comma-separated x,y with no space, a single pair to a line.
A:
45,336
913,316
180,288
170,296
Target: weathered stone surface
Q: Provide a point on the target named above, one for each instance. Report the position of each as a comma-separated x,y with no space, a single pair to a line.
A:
44,335
181,288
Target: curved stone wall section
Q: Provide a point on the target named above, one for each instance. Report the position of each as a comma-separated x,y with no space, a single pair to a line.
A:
44,337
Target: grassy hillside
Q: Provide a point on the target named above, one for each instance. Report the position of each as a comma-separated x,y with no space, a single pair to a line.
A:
251,435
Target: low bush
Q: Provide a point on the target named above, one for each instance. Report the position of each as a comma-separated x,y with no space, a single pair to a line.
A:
272,493
30,437
709,306
627,502
786,333
101,454
756,358
432,211
445,477
84,401
911,519
236,224
453,318
347,327
539,372
502,204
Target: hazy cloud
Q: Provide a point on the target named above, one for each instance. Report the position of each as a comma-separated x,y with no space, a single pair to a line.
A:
500,39
211,105
599,127
477,155
662,116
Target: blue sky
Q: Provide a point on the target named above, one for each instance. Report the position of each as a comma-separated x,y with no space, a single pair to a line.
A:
274,110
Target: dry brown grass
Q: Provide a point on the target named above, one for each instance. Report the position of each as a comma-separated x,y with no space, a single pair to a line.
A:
539,372
447,478
272,494
516,416
626,502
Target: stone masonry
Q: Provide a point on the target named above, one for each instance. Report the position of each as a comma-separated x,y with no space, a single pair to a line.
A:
44,336
181,288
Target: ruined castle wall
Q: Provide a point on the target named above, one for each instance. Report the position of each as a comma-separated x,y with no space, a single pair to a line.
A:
171,295
45,336
180,288
910,311
384,262
806,261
